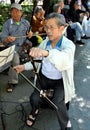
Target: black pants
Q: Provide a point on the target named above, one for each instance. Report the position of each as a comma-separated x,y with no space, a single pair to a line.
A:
70,33
58,98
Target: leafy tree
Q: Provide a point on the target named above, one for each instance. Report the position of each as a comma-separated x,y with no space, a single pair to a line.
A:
46,5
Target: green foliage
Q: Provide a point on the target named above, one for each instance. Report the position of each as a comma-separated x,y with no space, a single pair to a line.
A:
1,21
4,14
27,9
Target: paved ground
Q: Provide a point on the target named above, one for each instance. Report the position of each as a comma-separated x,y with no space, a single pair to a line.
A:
15,106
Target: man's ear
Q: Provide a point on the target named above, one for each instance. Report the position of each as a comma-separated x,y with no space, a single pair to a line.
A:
62,28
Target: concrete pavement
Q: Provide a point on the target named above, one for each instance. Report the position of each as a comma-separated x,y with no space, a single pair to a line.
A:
14,107
80,106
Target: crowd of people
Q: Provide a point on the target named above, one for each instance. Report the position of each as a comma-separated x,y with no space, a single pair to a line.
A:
75,30
56,52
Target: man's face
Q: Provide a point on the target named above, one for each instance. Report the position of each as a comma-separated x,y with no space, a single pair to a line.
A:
16,14
40,14
76,6
61,3
54,32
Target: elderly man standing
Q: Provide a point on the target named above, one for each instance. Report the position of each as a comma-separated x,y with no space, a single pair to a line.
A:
12,28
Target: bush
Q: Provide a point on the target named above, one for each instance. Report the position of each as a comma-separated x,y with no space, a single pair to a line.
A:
4,14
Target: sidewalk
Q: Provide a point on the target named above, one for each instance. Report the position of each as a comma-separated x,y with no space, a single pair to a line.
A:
80,106
15,106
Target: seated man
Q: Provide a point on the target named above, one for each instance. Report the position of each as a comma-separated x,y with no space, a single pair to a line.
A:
74,28
55,72
37,21
12,33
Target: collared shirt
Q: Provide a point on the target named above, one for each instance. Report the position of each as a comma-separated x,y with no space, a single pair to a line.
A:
47,68
62,60
10,28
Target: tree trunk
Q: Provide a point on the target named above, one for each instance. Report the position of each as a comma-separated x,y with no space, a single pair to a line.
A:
34,5
46,5
20,1
12,1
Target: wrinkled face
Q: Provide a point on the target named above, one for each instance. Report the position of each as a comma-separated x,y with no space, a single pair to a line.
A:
16,14
40,14
53,31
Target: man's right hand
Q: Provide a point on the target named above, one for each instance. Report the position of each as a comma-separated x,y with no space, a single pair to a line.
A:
10,39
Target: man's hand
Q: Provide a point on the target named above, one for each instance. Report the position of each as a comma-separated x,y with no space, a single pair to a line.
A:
29,34
19,68
10,39
37,52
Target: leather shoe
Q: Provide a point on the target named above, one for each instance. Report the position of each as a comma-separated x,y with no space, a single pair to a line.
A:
85,37
80,42
69,128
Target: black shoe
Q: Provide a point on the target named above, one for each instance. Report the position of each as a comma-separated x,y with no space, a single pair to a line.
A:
80,42
10,87
70,128
85,37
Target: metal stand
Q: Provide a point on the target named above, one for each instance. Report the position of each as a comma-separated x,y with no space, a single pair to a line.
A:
42,94
40,91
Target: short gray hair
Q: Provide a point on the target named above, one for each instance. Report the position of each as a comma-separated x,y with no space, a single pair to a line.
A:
59,18
55,7
37,9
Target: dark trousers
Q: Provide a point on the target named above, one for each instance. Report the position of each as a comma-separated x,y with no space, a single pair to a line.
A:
58,98
70,33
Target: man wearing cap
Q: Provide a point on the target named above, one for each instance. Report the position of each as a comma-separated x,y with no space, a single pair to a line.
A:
13,28
56,70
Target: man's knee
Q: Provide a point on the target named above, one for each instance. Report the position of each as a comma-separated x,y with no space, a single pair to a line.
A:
16,60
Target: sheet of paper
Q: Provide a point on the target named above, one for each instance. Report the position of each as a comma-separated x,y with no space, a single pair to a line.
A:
6,57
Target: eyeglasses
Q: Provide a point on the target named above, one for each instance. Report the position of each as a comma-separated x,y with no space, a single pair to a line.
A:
50,28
